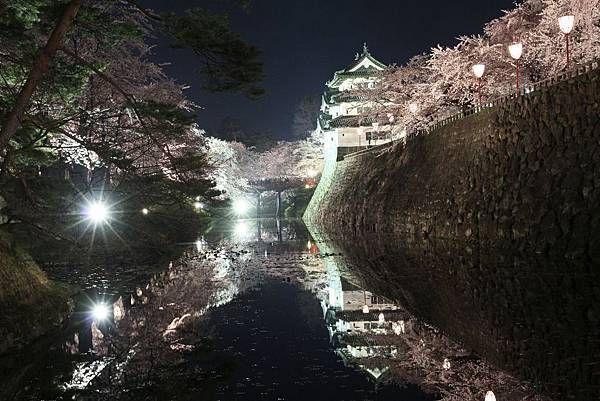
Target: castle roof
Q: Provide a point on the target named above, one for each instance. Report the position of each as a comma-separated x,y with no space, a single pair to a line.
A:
364,65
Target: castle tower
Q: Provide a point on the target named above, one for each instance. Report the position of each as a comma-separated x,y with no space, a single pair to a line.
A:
343,120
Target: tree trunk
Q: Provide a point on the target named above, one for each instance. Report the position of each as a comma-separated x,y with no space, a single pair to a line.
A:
279,232
258,205
258,230
39,69
278,212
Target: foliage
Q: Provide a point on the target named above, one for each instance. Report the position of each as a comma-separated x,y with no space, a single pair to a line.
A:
239,170
441,83
104,105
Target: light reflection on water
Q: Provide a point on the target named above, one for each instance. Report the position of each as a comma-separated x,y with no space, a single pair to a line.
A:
258,311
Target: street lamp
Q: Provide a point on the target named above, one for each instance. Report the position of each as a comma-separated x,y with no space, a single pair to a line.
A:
516,51
97,212
478,70
566,23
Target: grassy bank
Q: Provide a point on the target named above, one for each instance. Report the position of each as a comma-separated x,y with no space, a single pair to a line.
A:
30,303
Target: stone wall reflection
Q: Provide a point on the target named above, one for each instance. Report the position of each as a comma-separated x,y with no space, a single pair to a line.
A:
532,317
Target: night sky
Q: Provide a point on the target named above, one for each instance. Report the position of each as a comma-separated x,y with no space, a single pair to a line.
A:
305,41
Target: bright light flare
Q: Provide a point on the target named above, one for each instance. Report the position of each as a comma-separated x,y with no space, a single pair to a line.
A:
100,312
198,205
145,211
566,23
97,212
240,207
516,50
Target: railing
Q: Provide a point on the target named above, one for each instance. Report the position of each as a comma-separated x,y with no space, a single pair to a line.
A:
527,89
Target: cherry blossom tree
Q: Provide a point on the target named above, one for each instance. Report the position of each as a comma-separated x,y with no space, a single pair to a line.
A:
441,83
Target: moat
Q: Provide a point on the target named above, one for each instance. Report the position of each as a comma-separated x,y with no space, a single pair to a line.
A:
277,311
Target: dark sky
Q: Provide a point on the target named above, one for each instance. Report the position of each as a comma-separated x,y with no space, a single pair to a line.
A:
305,41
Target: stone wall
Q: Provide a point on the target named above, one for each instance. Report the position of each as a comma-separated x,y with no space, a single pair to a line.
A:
525,172
489,229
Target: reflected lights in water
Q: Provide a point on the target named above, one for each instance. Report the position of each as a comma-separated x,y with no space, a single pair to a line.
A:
84,373
200,245
100,312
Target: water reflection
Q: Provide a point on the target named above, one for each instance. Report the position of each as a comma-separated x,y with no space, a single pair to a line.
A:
258,310
375,334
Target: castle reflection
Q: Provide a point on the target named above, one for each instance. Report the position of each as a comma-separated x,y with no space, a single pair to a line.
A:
373,333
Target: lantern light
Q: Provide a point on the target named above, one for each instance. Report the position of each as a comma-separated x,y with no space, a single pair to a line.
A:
566,23
478,70
516,50
489,396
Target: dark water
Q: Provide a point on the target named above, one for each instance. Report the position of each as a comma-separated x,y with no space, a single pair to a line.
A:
259,310
282,350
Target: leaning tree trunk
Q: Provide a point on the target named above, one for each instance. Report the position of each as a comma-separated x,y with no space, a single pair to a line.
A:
39,69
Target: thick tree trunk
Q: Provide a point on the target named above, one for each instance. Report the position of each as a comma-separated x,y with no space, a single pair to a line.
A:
40,67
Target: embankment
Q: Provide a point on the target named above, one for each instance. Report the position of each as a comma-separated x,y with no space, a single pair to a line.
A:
30,303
